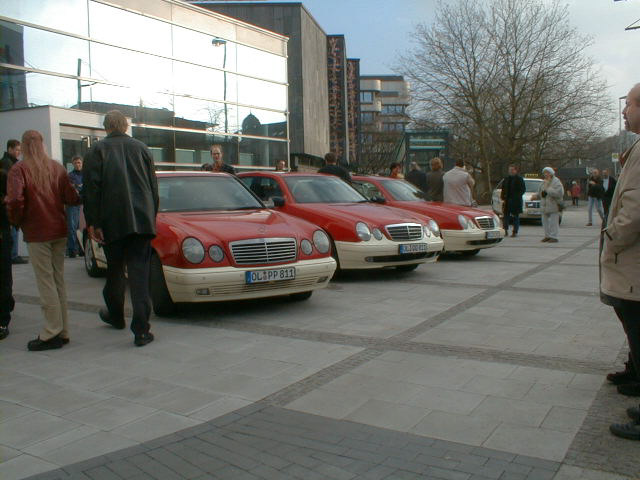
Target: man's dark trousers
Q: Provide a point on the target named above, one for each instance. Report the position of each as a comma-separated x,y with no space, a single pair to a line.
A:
73,219
134,252
512,219
6,280
629,314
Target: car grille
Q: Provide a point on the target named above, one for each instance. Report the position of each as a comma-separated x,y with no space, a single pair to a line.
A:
486,223
260,251
404,232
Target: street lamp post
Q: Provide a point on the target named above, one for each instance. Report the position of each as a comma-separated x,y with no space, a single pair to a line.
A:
216,42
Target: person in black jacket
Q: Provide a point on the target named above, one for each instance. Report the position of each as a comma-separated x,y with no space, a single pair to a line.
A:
120,207
595,193
6,279
8,160
417,177
609,186
331,167
513,188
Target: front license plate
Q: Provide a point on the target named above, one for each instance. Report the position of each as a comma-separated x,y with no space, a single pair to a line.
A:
275,275
493,234
413,248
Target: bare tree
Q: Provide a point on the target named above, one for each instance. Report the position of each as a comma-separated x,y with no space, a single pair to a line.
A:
511,79
378,151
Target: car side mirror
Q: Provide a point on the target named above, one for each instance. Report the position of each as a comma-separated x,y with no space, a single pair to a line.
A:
378,200
278,202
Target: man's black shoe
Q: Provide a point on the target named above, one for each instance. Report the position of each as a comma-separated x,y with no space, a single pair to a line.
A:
38,345
72,255
629,430
634,413
106,318
630,389
19,261
624,376
65,341
143,339
4,332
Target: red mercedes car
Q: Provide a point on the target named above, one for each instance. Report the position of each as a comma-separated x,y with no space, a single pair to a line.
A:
363,234
216,241
464,229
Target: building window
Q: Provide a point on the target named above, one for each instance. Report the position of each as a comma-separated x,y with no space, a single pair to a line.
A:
393,127
366,97
393,109
367,117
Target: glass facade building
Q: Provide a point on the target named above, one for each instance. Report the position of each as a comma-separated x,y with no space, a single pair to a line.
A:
187,78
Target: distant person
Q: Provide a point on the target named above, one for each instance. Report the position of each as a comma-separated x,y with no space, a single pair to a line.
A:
435,182
395,170
417,177
595,193
120,206
575,193
550,194
73,211
7,301
513,188
331,167
609,186
218,163
281,166
38,188
620,268
8,160
457,185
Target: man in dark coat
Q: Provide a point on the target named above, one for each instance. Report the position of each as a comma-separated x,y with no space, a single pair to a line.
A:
8,160
435,181
609,186
331,167
417,177
6,279
595,193
513,188
120,207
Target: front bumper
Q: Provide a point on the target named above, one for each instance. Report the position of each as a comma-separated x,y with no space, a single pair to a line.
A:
228,283
462,240
384,253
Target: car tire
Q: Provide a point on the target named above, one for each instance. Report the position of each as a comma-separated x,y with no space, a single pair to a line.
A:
470,253
407,268
300,297
163,306
90,263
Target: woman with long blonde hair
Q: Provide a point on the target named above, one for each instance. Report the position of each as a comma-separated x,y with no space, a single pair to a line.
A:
38,188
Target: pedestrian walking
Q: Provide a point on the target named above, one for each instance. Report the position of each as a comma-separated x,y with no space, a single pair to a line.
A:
120,207
435,182
609,186
619,265
417,177
6,243
331,167
513,188
8,160
73,211
551,203
395,170
218,162
38,188
575,193
457,185
595,194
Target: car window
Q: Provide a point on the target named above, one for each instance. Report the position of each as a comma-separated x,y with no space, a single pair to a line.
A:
532,185
368,189
203,193
322,189
402,191
264,187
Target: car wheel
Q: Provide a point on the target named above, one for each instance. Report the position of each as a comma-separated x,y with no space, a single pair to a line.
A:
470,253
160,297
299,297
90,264
407,268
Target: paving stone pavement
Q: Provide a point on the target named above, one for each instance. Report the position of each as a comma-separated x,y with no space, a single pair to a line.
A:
475,368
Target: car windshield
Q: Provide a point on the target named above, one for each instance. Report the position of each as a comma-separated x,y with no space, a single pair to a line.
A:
322,189
532,185
402,191
204,193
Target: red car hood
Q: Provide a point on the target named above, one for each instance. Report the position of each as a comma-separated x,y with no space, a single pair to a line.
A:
351,213
229,226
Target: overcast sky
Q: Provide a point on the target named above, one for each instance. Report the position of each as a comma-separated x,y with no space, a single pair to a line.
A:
376,30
